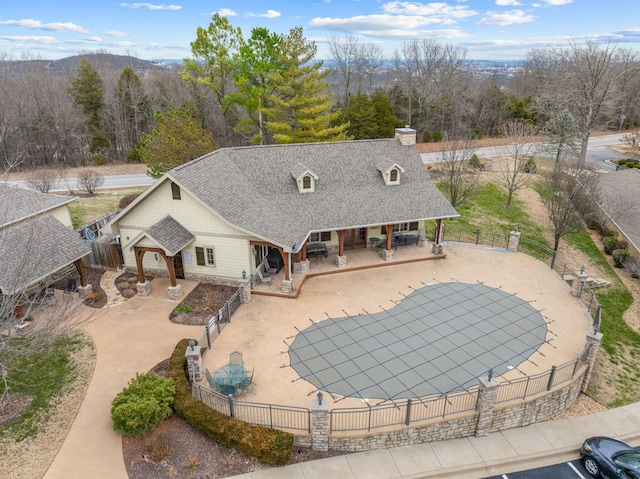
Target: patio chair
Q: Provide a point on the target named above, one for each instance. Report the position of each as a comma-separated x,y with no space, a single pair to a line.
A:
212,383
248,381
267,267
263,278
229,390
236,358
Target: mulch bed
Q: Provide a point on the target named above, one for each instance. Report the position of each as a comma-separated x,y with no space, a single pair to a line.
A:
175,449
126,284
203,301
98,298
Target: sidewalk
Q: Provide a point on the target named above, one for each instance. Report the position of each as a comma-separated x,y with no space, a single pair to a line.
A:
502,452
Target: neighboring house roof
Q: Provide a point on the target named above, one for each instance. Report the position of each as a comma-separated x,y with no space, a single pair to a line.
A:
25,204
619,192
168,234
33,250
253,189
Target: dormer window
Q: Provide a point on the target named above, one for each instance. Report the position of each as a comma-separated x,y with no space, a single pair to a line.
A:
390,172
175,191
305,178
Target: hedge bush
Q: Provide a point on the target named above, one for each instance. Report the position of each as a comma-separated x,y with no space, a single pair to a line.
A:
142,405
609,243
268,445
619,256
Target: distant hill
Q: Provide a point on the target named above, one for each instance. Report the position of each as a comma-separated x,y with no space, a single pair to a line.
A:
69,65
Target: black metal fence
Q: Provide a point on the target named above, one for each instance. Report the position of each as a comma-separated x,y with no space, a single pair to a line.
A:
218,321
269,415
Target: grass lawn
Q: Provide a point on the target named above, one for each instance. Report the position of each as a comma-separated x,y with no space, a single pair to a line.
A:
89,208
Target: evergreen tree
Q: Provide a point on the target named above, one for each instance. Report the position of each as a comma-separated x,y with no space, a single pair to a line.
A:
386,121
361,117
87,90
132,107
176,139
301,111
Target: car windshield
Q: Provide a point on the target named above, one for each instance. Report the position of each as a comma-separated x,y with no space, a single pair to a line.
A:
629,460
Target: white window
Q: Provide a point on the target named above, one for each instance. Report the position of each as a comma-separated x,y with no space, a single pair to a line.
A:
205,256
324,236
210,256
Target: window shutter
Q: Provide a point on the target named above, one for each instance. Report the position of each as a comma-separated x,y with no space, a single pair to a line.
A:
200,256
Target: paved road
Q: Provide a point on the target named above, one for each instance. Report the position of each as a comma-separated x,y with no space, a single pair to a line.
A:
564,470
110,182
597,153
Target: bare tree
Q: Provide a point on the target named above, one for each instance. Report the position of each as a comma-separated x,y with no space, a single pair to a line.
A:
344,52
90,181
560,191
32,316
513,174
459,178
43,180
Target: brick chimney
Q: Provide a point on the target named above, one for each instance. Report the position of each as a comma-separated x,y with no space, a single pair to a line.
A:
406,135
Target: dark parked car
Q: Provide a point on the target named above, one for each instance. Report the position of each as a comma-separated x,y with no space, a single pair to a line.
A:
609,458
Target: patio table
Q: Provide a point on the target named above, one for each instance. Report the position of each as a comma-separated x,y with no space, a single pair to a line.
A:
229,377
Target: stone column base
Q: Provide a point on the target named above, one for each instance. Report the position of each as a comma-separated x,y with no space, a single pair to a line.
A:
436,248
245,286
85,291
341,261
287,286
387,255
143,289
174,292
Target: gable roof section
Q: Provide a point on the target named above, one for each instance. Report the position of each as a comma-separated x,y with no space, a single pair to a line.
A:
299,170
25,204
168,234
619,192
37,249
384,165
252,189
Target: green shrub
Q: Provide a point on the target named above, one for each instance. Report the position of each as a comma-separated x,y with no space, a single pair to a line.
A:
619,255
477,134
609,243
183,309
99,159
622,162
143,404
126,201
426,137
269,445
474,162
437,135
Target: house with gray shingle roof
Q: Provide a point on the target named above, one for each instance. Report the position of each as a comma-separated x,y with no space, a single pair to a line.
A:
618,193
237,205
36,240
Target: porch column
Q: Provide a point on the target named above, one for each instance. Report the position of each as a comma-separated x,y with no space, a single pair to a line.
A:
139,255
387,252
341,260
172,269
437,243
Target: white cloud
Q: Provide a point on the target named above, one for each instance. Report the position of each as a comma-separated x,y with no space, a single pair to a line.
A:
557,2
93,40
115,33
151,6
268,14
38,25
27,38
508,3
226,12
437,10
506,18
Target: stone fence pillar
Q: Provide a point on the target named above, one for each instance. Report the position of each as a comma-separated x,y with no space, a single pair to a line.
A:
245,287
514,241
194,361
143,289
320,424
486,402
593,341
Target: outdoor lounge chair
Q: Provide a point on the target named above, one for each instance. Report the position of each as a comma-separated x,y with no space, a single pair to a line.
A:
263,278
248,381
267,267
236,358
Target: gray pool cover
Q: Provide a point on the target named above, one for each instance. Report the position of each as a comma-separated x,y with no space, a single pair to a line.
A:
440,338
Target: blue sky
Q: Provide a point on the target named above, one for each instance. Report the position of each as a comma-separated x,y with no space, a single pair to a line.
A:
489,29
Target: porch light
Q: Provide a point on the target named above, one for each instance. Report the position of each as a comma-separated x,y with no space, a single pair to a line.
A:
490,374
244,274
192,344
320,396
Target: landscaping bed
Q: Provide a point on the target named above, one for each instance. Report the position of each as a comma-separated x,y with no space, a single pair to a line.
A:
199,305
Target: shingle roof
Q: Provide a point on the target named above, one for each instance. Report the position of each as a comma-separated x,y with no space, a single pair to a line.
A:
168,234
252,188
24,204
620,191
32,250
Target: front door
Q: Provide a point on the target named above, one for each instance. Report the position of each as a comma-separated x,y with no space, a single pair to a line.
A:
356,238
177,264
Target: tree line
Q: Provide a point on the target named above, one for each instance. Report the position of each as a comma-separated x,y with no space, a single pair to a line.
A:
269,87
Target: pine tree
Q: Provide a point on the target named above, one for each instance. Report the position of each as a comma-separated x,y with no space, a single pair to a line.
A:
386,121
176,139
302,104
361,116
